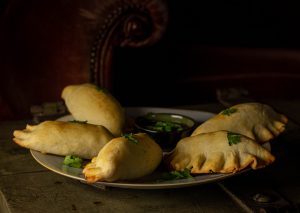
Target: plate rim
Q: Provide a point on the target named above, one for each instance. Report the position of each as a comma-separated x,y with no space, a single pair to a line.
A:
131,185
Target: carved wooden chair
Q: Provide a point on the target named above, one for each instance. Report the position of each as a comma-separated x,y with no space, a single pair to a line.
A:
48,45
146,52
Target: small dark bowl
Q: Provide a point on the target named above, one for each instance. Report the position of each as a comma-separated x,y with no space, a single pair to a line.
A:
165,128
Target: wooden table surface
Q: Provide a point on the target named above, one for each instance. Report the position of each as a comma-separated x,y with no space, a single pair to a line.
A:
26,186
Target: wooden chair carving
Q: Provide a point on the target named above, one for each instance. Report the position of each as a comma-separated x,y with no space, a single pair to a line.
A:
46,46
175,53
130,24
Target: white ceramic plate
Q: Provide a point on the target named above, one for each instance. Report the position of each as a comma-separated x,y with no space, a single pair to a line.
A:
153,181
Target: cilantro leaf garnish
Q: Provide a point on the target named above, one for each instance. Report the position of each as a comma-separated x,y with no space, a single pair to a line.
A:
166,126
73,161
228,111
76,121
130,137
233,138
176,175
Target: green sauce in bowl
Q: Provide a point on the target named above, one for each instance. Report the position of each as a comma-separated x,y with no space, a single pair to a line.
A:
165,128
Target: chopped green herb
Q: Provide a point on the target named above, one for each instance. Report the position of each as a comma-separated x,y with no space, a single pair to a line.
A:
229,111
176,175
73,161
76,121
233,138
130,137
165,126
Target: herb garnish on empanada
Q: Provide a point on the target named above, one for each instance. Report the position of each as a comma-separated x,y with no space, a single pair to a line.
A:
255,120
213,152
124,159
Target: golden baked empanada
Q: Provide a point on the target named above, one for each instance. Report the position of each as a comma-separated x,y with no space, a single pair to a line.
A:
86,102
64,138
221,152
124,158
255,120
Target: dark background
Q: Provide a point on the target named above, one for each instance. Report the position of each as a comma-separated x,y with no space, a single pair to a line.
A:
208,45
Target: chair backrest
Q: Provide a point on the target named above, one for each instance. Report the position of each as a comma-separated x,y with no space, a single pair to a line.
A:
147,52
212,48
48,45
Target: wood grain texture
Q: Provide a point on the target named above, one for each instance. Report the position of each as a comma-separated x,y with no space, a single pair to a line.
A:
48,192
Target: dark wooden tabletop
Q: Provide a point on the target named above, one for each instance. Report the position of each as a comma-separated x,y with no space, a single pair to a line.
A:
26,186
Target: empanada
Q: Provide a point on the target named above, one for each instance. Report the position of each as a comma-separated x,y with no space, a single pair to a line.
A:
87,102
124,159
214,152
255,120
64,138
